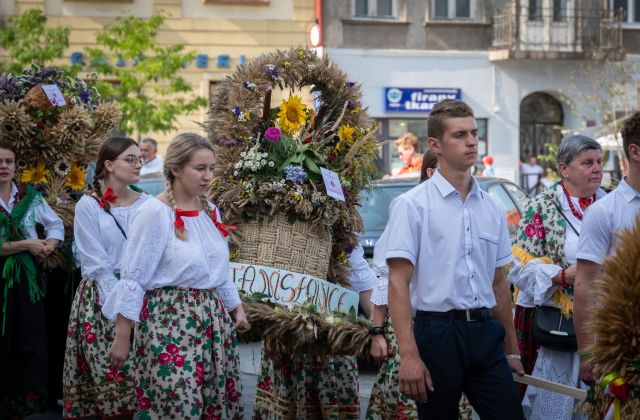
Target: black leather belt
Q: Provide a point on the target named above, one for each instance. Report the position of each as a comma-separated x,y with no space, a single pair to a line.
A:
470,315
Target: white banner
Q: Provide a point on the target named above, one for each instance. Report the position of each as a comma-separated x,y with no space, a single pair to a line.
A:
289,288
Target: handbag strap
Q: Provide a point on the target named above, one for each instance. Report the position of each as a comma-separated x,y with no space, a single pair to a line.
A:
114,218
567,220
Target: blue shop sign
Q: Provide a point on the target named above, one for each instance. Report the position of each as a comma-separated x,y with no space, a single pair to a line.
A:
416,99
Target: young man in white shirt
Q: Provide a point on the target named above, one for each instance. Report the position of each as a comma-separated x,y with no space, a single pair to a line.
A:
446,254
149,153
604,218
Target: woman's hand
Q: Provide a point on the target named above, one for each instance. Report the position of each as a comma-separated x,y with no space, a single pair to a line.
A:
119,351
37,247
569,275
378,347
240,319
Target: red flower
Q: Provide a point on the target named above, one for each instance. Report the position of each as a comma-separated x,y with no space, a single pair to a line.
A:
70,331
172,348
83,366
144,313
86,327
68,407
90,338
144,403
32,397
537,219
232,395
540,232
530,231
209,331
164,358
139,392
211,410
265,384
230,384
199,366
178,360
120,377
198,378
112,374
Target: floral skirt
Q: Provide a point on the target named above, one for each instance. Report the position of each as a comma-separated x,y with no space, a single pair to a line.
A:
523,321
386,401
307,387
91,386
187,360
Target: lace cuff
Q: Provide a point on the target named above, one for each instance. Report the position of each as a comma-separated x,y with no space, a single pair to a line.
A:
536,279
230,297
106,281
125,299
380,293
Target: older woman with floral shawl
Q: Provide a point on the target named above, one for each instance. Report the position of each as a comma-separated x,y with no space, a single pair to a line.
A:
544,270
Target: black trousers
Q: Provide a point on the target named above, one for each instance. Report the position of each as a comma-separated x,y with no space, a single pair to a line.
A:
466,357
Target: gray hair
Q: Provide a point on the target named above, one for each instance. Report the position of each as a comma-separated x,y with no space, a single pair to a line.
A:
150,140
574,145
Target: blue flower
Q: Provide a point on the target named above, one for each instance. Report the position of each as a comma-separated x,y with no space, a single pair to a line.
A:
85,96
295,174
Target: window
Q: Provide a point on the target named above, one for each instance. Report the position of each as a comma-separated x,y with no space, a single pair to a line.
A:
559,10
453,9
511,211
384,9
626,10
535,9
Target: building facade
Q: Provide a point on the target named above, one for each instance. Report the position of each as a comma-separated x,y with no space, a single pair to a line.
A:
518,64
223,33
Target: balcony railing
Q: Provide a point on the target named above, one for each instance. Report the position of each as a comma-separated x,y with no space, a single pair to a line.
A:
546,32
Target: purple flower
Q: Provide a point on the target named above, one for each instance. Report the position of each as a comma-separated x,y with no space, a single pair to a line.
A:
295,174
350,84
236,111
351,104
273,134
85,95
231,142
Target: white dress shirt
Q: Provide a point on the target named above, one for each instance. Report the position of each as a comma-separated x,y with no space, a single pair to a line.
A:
535,279
454,246
155,257
604,219
152,167
99,243
40,213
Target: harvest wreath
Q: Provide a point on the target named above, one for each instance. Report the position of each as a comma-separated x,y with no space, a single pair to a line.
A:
56,123
269,171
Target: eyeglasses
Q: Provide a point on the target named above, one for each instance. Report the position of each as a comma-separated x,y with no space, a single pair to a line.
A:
133,160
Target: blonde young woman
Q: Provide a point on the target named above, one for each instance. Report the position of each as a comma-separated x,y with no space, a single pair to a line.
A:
91,386
175,287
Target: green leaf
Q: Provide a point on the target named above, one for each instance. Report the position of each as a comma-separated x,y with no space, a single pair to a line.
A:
311,165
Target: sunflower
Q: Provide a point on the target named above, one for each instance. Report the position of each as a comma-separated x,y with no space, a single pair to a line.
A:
37,175
76,178
345,132
292,114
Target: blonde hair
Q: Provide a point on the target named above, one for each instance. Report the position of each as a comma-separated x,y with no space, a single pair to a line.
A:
179,153
408,140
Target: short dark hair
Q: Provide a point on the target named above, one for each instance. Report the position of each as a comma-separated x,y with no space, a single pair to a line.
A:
449,108
7,146
150,140
631,132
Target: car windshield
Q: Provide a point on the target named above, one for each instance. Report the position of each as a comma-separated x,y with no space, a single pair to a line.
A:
375,205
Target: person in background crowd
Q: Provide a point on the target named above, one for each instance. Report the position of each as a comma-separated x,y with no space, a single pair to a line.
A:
530,174
545,269
445,260
92,387
152,160
408,150
23,335
487,161
175,286
615,212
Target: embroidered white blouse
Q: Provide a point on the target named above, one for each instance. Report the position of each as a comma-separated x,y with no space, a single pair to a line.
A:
40,213
535,279
99,243
361,276
155,257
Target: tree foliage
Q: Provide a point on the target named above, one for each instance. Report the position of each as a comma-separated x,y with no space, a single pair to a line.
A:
29,41
148,87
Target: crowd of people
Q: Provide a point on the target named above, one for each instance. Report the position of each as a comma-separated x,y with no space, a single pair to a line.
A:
154,321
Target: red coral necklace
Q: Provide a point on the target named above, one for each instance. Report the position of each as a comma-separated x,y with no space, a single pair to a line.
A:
584,202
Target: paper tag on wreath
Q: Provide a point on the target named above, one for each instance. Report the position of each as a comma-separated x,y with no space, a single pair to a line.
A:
54,94
289,288
332,184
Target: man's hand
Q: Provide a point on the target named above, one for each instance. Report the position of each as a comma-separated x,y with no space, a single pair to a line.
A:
516,366
378,348
415,378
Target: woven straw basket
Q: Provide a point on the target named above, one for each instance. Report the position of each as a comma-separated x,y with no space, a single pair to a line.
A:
297,247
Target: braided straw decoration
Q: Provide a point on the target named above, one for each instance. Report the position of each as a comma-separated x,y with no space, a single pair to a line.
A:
298,247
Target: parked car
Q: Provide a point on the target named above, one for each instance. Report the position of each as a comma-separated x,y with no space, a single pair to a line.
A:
375,205
152,184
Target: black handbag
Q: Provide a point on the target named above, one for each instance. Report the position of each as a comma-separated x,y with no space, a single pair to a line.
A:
553,330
